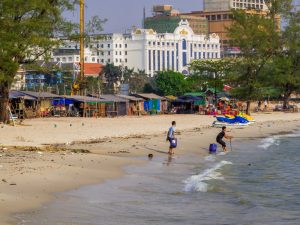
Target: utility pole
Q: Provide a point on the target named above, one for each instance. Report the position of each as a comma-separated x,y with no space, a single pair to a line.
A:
81,46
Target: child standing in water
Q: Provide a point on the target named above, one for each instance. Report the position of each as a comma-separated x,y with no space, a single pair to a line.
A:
171,138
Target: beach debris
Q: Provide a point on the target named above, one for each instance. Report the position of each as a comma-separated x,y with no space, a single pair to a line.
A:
80,151
55,125
40,153
4,149
150,156
1,166
3,180
71,125
13,183
82,124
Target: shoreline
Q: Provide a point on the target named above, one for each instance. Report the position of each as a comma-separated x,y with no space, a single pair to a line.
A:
60,171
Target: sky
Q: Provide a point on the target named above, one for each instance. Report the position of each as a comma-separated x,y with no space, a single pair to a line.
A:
123,14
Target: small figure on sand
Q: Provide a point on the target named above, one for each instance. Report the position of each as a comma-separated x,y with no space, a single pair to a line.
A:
171,138
220,137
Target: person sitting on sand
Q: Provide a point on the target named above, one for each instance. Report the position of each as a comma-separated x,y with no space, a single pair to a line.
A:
171,137
220,137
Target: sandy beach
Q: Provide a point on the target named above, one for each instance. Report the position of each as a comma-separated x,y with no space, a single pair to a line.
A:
45,156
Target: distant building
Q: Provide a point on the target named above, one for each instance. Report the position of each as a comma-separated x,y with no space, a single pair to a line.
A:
145,49
226,5
166,20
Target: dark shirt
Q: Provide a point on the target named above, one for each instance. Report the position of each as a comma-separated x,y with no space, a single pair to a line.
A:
221,135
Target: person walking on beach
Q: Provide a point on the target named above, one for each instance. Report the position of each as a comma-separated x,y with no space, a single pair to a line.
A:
220,137
171,138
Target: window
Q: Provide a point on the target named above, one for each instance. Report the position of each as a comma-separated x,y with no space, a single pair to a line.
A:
126,60
149,59
108,60
117,60
58,59
93,59
125,45
183,44
213,17
120,53
102,60
77,59
102,53
108,45
116,53
85,59
125,52
70,59
120,46
218,17
108,53
64,59
116,45
102,46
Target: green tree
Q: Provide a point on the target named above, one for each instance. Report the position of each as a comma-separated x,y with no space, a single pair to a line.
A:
171,83
27,32
209,74
137,81
259,40
112,75
284,69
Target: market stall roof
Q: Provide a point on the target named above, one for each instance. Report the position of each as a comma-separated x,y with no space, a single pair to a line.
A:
40,94
16,94
171,97
113,98
86,99
196,94
131,98
150,96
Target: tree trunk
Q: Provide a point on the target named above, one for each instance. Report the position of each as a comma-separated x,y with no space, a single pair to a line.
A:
286,99
4,102
248,107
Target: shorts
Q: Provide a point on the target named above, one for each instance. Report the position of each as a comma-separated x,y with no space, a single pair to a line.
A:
221,142
172,145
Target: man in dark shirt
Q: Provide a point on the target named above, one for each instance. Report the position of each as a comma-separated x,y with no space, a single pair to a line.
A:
220,137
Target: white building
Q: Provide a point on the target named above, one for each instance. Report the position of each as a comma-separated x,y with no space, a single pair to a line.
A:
225,5
147,50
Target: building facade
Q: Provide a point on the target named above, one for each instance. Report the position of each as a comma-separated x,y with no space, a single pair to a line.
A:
145,49
226,5
166,20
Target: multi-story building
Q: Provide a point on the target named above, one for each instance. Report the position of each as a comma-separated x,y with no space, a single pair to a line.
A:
219,16
148,50
166,20
226,5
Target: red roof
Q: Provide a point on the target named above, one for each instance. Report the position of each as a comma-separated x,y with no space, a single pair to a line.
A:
92,69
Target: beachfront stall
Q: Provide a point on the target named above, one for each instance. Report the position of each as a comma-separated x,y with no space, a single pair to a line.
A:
43,100
153,103
21,105
187,104
136,105
88,106
119,106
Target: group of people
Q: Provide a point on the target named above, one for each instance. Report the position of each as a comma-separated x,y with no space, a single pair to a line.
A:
173,140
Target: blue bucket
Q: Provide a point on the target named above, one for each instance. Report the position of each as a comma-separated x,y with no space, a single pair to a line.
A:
213,149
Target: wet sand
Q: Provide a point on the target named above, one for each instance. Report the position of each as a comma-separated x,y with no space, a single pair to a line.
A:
29,178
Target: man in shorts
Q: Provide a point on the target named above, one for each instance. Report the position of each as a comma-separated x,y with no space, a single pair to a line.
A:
171,137
220,137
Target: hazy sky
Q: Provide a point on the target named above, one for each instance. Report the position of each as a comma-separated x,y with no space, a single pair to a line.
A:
123,14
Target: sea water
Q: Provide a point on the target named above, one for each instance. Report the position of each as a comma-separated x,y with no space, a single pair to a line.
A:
258,182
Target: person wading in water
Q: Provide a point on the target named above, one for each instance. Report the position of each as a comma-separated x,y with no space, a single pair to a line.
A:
220,137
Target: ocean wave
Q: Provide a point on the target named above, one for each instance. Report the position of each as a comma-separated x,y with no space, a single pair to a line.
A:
268,142
196,183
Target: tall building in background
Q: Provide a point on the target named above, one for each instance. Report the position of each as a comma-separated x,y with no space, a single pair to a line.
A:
165,19
226,5
219,16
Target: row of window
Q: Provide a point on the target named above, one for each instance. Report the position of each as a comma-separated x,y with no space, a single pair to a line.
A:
158,60
172,44
250,1
247,6
109,45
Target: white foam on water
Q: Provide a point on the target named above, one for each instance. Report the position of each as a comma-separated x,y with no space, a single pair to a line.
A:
268,142
210,158
196,183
